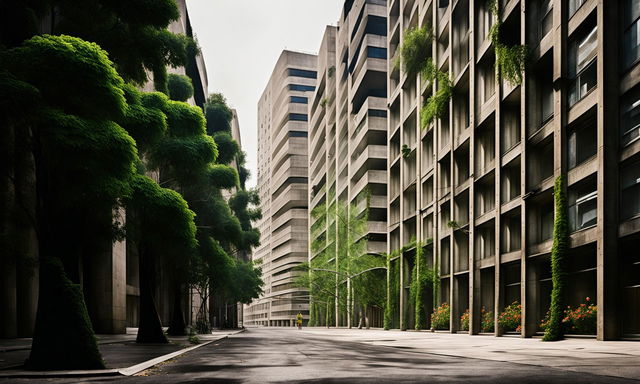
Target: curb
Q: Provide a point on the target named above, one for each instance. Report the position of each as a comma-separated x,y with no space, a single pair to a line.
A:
128,371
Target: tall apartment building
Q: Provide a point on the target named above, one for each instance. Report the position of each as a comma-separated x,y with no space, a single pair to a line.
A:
282,187
489,163
348,129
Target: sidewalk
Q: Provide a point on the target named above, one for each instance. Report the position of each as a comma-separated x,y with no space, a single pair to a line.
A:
122,355
608,358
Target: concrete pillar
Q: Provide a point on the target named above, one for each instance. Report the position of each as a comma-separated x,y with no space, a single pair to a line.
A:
608,281
105,289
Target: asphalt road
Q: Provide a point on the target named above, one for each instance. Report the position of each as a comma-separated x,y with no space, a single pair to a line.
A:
267,355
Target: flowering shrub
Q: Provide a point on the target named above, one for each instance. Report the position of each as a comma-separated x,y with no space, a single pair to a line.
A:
464,321
440,317
510,319
487,321
581,320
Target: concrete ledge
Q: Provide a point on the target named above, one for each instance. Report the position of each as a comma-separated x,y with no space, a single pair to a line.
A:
129,371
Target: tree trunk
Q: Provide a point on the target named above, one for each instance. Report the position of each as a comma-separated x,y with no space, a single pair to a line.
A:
150,327
178,324
63,336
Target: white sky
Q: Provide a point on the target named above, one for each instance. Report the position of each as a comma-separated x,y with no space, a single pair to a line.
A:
241,41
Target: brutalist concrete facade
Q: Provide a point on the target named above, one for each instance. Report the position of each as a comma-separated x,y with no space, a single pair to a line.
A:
348,129
490,162
283,189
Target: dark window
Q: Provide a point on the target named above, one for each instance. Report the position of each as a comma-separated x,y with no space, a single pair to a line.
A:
303,73
376,52
299,100
297,134
630,191
631,34
630,122
298,117
582,66
581,143
303,88
377,113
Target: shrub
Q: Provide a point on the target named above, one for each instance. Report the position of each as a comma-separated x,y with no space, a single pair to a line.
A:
414,50
511,61
582,320
180,87
510,319
440,317
487,321
406,151
464,321
437,104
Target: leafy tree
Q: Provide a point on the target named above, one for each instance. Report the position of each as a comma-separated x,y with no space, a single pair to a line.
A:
180,87
218,114
342,272
133,32
149,209
243,204
71,98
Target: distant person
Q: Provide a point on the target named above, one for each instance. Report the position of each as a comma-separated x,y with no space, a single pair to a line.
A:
299,320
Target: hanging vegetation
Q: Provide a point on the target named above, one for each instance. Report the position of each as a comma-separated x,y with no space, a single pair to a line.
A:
421,277
554,329
414,50
511,61
437,104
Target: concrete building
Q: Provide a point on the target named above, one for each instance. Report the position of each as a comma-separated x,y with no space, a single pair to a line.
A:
282,187
489,163
348,129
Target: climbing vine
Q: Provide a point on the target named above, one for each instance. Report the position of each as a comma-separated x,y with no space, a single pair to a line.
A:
422,275
437,104
510,60
554,330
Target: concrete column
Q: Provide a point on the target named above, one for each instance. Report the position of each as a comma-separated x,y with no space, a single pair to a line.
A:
105,288
608,282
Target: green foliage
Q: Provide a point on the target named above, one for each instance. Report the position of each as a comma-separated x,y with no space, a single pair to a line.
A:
223,176
331,71
323,102
63,336
146,124
71,74
438,103
341,259
511,318
414,50
218,114
227,147
440,317
421,277
184,120
583,320
244,205
487,320
406,151
182,158
511,61
558,260
464,321
180,87
247,282
243,172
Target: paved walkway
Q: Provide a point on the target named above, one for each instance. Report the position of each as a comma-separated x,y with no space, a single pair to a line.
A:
286,355
118,351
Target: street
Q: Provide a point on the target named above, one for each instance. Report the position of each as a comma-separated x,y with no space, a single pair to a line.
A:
286,355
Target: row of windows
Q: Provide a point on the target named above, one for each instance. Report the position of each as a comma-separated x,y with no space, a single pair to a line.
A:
303,88
298,117
299,100
303,73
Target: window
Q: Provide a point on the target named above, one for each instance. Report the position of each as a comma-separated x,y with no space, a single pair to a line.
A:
581,143
488,83
631,34
582,207
630,122
546,90
574,5
297,134
377,113
630,191
485,21
546,17
582,66
298,117
303,73
377,52
303,88
299,100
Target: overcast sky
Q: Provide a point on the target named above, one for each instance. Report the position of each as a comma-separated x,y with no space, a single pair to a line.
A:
241,41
